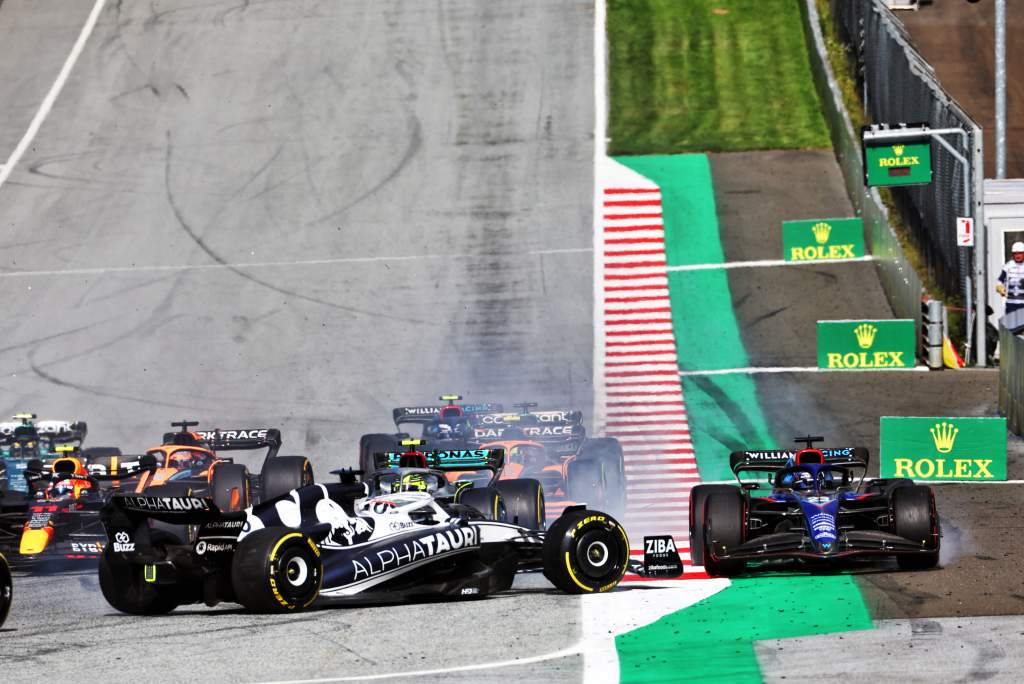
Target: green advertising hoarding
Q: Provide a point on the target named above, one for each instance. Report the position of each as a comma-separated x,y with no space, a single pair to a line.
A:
867,344
841,238
967,449
901,163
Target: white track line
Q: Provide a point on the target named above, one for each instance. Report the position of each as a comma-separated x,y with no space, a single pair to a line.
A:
51,96
266,264
792,369
766,263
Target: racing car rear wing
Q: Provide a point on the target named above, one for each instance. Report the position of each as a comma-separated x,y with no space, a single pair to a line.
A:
453,459
777,459
428,414
549,427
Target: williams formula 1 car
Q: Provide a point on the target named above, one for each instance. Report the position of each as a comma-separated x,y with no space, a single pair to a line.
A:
386,539
819,509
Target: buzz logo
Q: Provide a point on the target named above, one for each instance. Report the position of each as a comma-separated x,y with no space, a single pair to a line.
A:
123,543
944,436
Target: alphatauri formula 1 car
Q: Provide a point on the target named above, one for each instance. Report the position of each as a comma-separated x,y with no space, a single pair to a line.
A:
341,543
818,509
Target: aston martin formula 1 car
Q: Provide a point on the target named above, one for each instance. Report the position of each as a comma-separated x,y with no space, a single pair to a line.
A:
28,445
342,542
818,509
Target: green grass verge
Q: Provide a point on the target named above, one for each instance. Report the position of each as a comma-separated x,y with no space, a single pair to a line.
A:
710,75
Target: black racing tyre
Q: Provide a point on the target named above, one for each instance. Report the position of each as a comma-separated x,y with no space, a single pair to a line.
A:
276,570
487,501
285,473
914,518
723,530
124,584
524,502
698,496
585,552
375,444
609,452
586,482
229,486
6,589
887,485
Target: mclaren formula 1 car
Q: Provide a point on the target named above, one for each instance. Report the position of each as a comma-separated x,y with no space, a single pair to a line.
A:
818,509
381,540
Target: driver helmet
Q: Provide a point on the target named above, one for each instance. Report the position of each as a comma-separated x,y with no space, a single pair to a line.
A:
797,480
411,482
445,431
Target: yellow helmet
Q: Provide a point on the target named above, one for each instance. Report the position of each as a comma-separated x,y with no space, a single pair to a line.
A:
412,482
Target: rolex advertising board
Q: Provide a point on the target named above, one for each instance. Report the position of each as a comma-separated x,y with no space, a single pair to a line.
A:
864,345
902,163
823,239
968,449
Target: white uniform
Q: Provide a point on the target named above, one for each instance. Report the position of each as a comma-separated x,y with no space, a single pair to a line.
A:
1012,277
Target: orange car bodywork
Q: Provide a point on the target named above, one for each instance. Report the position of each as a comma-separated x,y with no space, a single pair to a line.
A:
555,501
170,453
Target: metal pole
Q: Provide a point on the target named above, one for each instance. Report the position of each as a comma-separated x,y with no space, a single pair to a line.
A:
1000,88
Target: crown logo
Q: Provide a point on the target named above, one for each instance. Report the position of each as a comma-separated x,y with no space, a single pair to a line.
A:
865,333
944,434
821,232
897,150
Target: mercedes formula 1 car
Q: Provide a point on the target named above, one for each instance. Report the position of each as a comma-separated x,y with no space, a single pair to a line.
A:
388,538
818,509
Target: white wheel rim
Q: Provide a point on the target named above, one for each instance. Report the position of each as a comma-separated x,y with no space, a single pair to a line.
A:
597,554
296,571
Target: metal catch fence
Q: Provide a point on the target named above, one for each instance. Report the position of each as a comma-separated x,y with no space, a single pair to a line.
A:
899,86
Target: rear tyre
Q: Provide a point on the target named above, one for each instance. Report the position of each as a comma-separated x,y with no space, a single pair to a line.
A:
698,496
124,586
487,501
276,570
887,485
285,473
586,483
585,552
914,518
229,486
375,444
608,451
6,589
723,531
524,502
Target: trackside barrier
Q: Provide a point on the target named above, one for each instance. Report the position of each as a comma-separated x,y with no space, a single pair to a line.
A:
1011,380
900,282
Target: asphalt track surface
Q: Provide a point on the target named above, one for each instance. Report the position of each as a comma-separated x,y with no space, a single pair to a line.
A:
297,215
935,624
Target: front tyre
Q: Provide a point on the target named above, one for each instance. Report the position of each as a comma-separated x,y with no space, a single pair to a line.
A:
487,501
277,570
6,589
585,552
723,531
524,502
915,519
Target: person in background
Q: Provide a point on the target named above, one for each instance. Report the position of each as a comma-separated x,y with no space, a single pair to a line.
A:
1011,279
